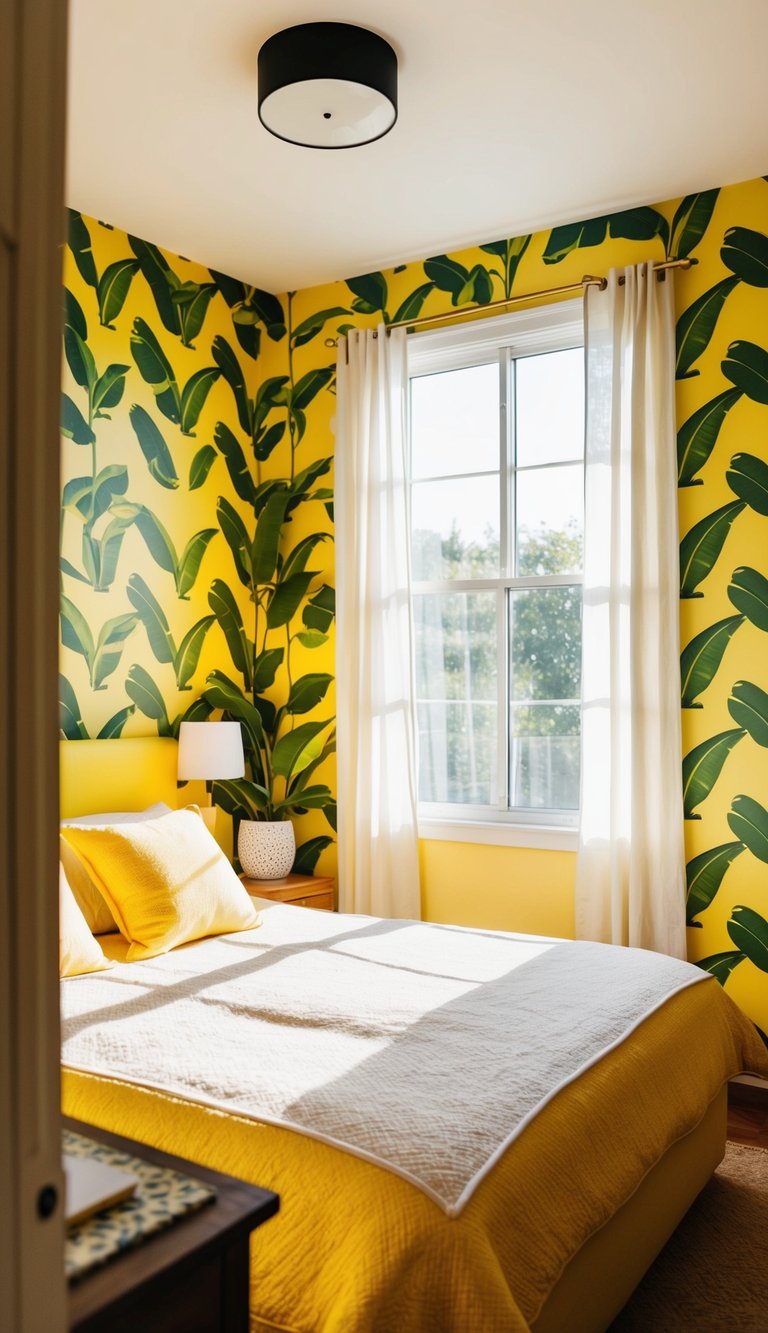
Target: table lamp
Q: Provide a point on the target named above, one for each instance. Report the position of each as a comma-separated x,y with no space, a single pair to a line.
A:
210,751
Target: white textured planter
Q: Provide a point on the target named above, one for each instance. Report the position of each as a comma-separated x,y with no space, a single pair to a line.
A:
266,848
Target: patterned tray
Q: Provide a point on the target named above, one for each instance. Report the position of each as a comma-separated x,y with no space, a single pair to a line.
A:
163,1196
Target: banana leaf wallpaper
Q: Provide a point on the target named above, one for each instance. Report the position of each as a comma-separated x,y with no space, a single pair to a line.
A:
220,416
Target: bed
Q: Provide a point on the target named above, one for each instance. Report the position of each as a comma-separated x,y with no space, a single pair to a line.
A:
549,1230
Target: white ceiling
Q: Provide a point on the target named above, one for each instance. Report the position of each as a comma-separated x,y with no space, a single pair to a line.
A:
514,115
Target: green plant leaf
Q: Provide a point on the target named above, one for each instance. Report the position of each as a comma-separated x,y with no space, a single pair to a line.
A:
73,315
266,667
704,875
574,236
113,727
721,965
191,557
201,465
268,309
75,633
156,370
702,767
308,691
310,327
113,287
748,706
745,253
266,541
153,619
109,647
156,270
296,560
71,725
297,785
222,602
312,638
108,389
79,241
237,540
697,324
321,608
146,695
746,366
73,423
232,372
305,480
639,224
265,441
309,386
232,453
159,543
748,591
307,855
748,821
749,932
448,276
411,307
748,478
312,798
698,435
154,448
193,398
479,286
690,222
700,548
107,485
76,497
701,658
286,598
109,548
371,292
241,798
79,359
186,659
67,567
193,312
297,748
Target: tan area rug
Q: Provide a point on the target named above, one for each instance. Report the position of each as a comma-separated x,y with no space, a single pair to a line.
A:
712,1276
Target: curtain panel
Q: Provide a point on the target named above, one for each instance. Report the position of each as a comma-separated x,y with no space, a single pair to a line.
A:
630,879
377,812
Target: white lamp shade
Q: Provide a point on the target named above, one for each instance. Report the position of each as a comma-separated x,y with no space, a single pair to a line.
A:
210,750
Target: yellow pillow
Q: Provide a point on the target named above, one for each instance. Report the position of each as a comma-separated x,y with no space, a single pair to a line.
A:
166,881
96,913
78,950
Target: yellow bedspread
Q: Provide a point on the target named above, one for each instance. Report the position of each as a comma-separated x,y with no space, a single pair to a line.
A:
356,1249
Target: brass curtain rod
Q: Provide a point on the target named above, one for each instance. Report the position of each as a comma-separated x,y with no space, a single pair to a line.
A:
589,280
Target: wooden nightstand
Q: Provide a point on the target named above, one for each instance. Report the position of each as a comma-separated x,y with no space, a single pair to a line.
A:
300,890
192,1276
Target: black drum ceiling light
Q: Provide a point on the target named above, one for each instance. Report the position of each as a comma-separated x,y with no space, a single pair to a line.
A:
327,85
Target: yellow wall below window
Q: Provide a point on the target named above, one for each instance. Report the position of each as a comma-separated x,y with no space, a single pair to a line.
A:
498,888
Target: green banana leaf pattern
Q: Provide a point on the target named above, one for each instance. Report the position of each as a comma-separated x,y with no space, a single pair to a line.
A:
196,496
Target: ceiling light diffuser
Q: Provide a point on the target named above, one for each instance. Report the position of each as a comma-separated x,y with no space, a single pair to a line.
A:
327,85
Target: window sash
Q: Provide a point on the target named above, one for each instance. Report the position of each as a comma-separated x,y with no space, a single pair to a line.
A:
443,352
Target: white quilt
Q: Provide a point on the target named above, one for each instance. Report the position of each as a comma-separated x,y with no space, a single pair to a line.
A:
423,1048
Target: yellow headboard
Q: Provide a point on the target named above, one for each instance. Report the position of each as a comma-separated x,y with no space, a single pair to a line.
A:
128,774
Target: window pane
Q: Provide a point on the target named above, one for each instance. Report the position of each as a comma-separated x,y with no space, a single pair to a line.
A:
455,422
550,520
545,644
550,407
455,647
544,757
455,528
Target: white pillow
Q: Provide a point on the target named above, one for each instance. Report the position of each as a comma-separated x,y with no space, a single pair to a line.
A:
87,895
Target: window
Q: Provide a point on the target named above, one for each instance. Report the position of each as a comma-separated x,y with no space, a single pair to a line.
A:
497,517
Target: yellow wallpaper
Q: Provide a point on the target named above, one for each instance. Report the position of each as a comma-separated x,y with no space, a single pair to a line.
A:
721,301
275,399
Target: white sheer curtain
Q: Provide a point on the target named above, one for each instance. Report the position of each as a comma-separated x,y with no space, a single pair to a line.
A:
630,878
378,838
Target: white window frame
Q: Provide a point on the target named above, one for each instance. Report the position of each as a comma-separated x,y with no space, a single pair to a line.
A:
549,328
